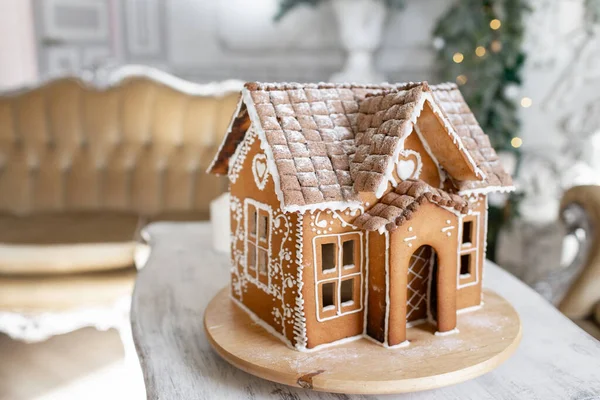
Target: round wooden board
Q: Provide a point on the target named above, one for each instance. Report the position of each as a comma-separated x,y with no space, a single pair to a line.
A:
487,337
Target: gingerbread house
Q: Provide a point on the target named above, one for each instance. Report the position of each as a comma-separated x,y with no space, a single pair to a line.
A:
357,210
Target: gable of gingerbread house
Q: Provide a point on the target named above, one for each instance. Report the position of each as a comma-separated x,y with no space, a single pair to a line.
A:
385,122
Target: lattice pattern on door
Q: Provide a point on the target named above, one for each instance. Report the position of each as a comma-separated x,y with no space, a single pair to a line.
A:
419,269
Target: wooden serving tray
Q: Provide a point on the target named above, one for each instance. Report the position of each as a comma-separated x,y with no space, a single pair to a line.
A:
486,338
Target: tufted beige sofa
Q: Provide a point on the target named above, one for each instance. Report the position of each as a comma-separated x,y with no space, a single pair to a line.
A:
83,169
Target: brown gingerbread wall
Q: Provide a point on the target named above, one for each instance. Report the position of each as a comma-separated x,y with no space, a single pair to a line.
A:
429,226
377,283
251,184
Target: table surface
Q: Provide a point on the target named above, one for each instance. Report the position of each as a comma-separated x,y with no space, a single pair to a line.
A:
556,359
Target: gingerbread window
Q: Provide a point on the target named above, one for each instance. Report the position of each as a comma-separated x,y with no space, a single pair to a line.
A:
338,274
258,242
468,254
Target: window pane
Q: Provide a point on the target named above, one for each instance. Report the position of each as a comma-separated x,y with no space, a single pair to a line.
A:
327,294
251,257
262,226
263,267
252,220
465,264
347,290
467,232
348,252
327,256
262,262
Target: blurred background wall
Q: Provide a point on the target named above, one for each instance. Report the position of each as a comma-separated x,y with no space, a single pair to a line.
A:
17,39
208,40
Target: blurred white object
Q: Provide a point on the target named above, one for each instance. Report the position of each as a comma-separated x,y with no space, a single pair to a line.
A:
570,248
539,179
509,161
360,23
39,326
219,220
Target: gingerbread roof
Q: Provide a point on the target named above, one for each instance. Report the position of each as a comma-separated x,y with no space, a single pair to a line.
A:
398,206
311,132
477,143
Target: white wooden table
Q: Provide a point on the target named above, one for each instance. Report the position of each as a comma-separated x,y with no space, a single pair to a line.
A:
556,359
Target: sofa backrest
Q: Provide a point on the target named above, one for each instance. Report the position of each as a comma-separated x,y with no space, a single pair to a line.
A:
139,144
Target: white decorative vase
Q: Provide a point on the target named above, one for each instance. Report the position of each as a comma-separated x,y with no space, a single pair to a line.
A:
360,24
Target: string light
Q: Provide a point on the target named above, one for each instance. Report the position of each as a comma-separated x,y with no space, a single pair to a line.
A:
516,142
458,57
526,102
495,24
496,46
461,79
480,51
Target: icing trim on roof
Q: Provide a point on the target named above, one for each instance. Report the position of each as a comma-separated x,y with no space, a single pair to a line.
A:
382,88
238,108
486,190
452,132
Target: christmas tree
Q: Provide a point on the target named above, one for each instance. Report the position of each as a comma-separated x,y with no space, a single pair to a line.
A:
480,47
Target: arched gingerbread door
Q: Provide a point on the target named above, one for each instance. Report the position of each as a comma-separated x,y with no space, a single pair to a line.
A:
421,296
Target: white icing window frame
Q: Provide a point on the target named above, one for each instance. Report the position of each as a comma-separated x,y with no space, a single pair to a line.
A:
465,280
254,278
339,277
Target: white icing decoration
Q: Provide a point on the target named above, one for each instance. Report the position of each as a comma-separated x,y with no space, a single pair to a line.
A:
452,332
344,223
259,171
386,323
320,223
299,316
486,190
409,168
